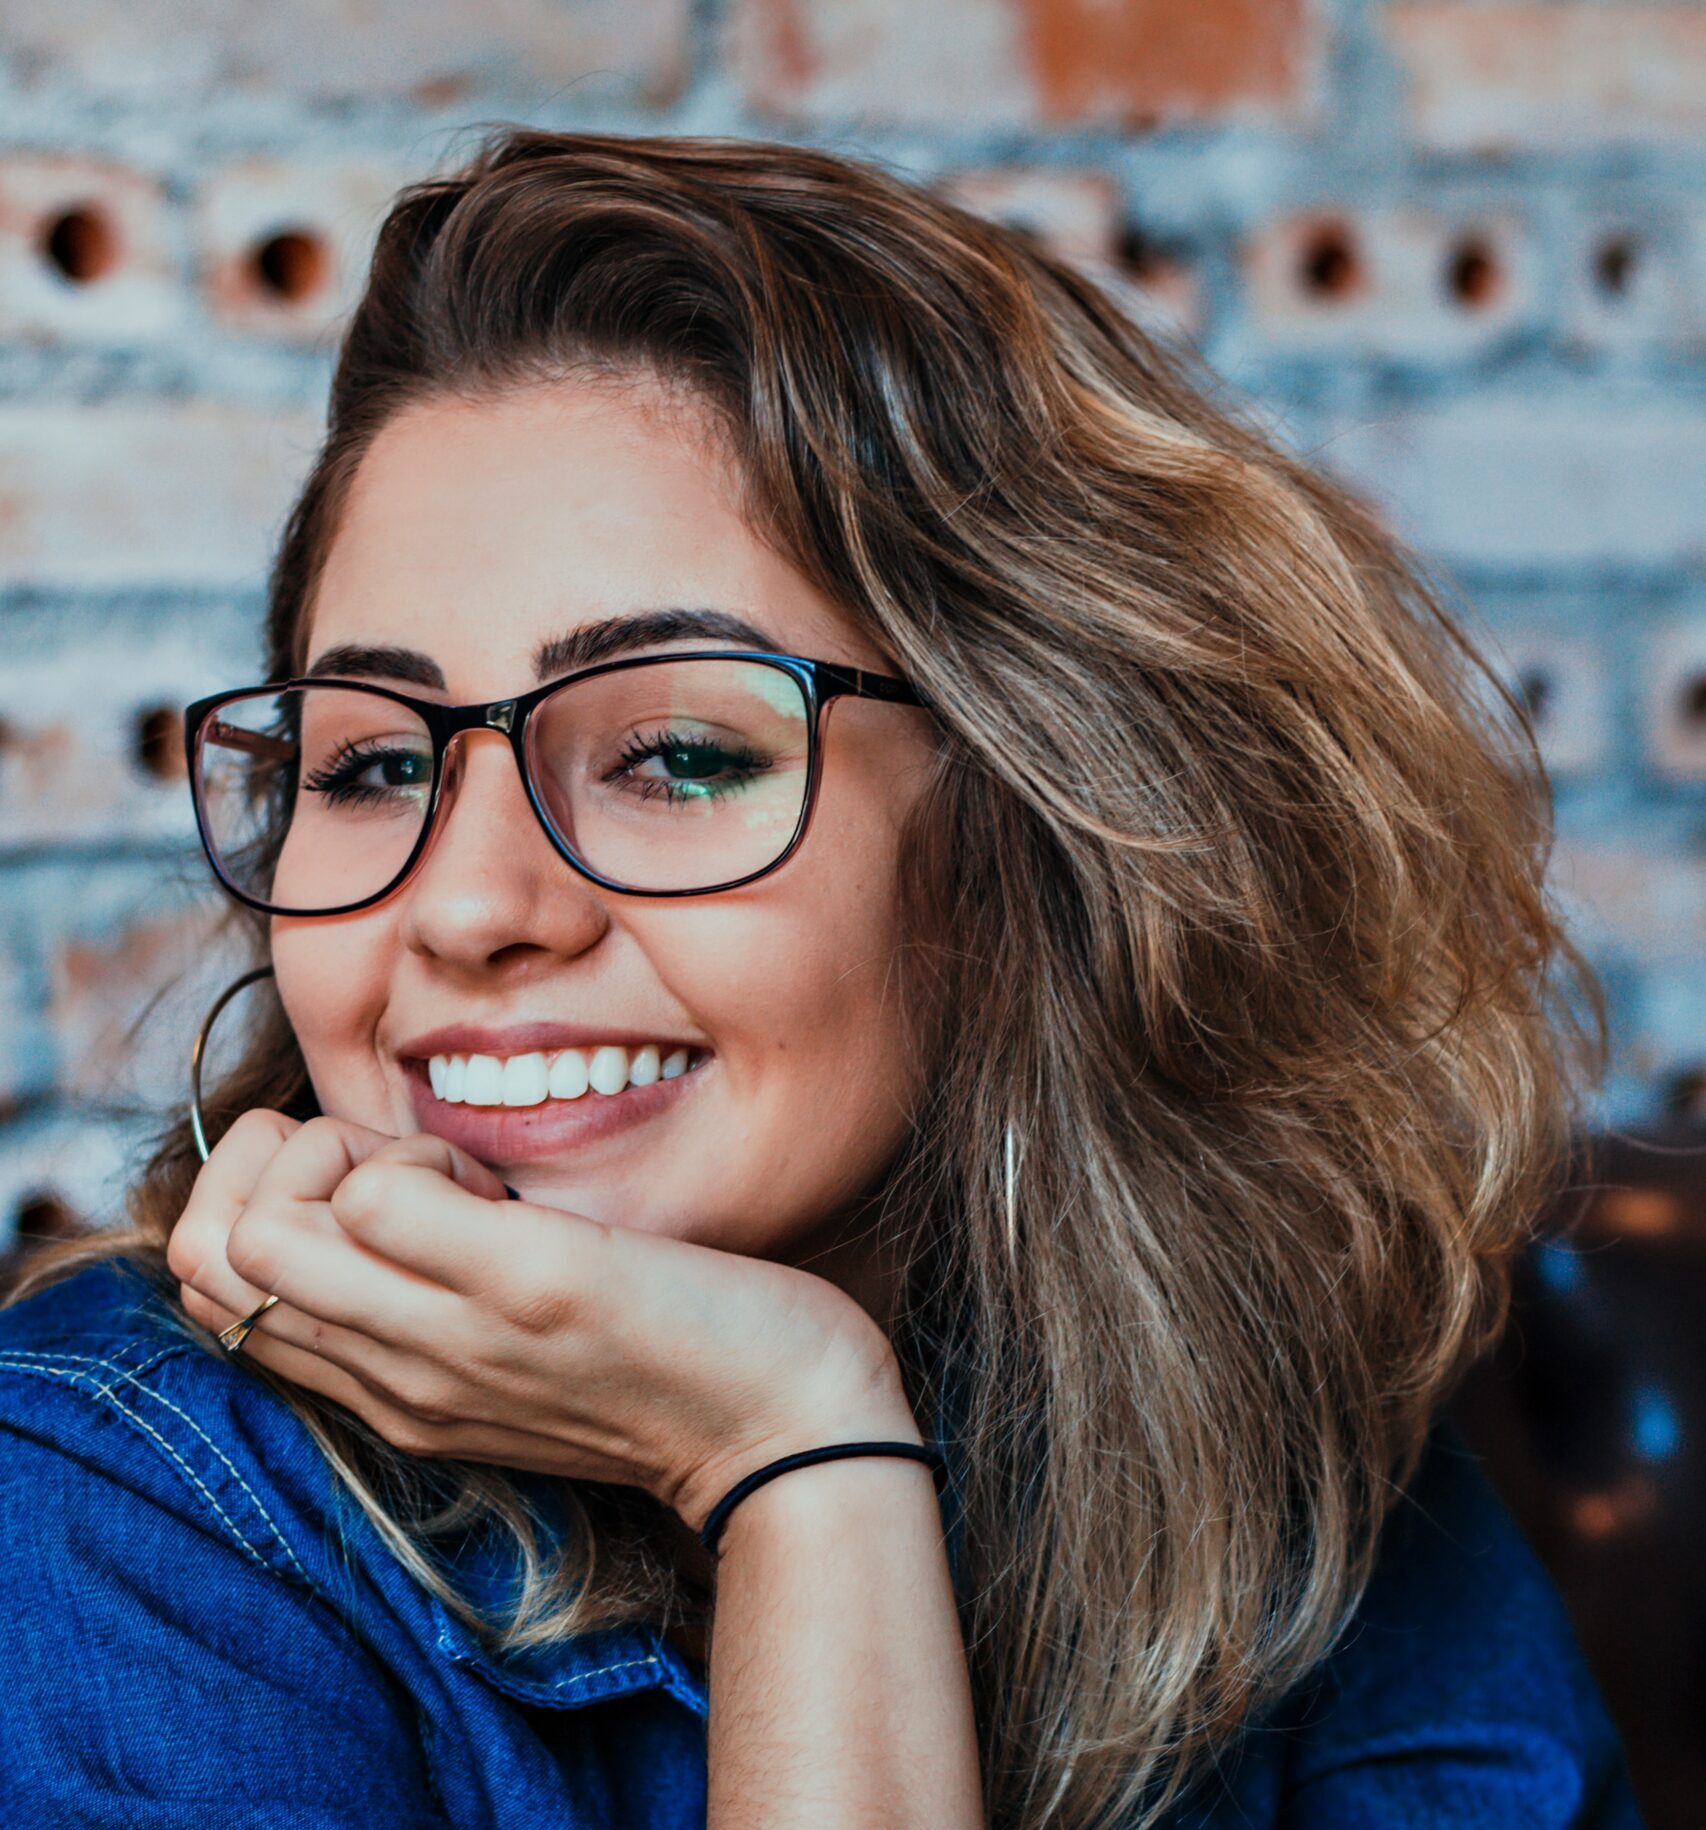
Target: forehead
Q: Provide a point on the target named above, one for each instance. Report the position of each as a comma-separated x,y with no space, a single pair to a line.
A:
478,532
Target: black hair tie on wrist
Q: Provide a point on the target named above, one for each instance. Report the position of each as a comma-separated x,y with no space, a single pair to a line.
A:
712,1529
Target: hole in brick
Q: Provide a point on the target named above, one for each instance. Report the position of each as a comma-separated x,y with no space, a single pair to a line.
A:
1473,275
1685,1097
45,1214
1694,700
1137,253
1534,689
1614,265
80,245
1329,266
158,742
291,265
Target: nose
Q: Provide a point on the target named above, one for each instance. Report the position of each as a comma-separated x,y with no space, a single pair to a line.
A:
492,889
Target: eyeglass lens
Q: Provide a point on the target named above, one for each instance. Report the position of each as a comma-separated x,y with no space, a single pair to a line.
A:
678,775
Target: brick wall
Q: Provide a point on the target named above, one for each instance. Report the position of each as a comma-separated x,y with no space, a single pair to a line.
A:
1458,249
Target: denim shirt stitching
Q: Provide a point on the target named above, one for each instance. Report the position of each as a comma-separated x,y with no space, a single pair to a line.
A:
627,1664
131,1377
29,1361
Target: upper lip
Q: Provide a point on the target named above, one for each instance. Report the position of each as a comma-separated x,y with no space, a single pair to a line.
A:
529,1038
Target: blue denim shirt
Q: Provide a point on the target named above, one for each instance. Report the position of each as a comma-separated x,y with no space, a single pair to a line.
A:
200,1626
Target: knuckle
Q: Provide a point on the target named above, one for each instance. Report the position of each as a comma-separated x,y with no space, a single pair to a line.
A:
431,1399
365,1192
412,1435
252,1246
184,1253
196,1306
259,1124
533,1309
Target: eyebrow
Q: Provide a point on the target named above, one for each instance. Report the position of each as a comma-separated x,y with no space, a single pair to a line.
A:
582,647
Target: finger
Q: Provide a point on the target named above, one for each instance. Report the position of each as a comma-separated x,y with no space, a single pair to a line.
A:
270,1164
376,1402
298,1252
409,1213
316,1158
222,1186
426,1151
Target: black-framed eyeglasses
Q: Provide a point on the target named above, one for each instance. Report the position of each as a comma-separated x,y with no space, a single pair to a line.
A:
657,775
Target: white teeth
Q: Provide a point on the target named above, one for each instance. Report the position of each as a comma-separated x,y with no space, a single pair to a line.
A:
567,1079
531,1079
485,1081
524,1080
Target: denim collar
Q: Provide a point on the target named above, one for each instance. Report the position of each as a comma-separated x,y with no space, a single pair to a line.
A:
619,1661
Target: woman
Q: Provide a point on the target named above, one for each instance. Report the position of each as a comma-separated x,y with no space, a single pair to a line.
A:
1061,974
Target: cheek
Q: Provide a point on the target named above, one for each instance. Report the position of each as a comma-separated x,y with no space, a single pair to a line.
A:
798,990
332,978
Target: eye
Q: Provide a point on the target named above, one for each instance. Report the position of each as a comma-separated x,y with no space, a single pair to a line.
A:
364,773
691,766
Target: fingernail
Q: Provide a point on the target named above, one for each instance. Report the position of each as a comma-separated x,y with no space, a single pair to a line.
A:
514,1194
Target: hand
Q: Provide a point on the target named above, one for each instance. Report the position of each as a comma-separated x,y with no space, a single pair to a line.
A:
458,1323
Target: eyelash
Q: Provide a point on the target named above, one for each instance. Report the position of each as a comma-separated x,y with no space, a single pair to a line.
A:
331,780
640,749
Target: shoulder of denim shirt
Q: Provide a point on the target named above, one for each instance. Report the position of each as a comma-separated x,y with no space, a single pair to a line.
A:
1459,1675
102,1366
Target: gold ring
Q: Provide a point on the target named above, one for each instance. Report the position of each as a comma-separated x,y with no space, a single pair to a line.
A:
232,1338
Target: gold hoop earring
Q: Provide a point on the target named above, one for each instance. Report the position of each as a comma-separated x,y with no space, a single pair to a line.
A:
232,1338
199,1048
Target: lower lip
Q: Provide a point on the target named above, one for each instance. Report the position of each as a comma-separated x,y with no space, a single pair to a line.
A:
520,1134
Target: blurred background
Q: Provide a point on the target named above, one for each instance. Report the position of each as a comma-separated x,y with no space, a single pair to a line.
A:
1452,250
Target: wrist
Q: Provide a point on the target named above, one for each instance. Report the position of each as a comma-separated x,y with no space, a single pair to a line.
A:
874,1410
824,1506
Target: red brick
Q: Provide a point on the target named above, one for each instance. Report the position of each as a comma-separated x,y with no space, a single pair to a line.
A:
85,253
14,1073
1565,681
1077,213
1643,905
125,1006
74,764
121,495
960,63
83,1164
1074,211
1673,693
441,55
1435,283
1571,476
283,244
1494,78
1628,283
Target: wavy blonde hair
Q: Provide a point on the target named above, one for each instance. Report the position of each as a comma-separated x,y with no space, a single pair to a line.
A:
1255,1042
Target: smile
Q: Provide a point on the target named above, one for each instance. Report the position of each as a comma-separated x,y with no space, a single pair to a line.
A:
568,1073
514,1109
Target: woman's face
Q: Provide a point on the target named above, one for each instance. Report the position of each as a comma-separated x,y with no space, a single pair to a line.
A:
474,536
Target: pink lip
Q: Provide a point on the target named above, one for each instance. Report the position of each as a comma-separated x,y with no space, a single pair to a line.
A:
517,1134
527,1038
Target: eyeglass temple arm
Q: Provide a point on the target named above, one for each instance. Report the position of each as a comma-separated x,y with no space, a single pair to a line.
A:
257,743
863,685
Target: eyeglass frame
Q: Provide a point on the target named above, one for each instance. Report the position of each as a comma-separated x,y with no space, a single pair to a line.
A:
819,681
